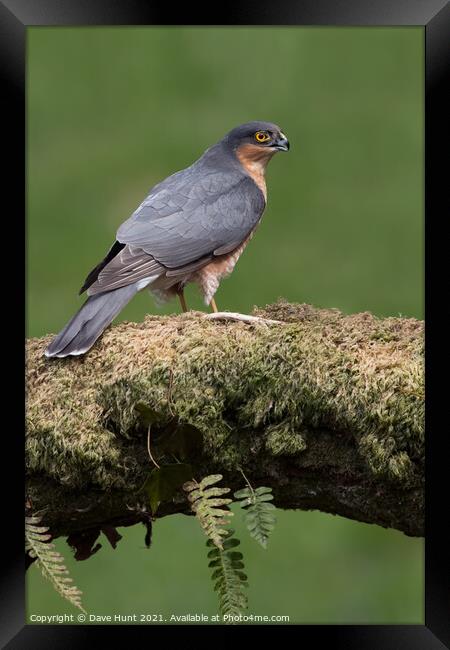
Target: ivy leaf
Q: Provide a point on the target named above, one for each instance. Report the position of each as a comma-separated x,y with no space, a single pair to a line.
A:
164,481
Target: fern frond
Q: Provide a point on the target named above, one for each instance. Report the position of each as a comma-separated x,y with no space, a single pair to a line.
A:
259,514
228,575
205,503
50,562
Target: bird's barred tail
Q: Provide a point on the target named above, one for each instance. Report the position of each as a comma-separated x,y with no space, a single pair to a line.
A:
80,334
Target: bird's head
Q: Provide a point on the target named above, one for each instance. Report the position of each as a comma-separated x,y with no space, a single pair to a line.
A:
262,136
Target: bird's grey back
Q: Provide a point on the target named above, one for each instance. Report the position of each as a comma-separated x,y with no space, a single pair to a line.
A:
210,204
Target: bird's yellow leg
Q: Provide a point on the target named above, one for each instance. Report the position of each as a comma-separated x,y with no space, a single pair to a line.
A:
213,306
182,300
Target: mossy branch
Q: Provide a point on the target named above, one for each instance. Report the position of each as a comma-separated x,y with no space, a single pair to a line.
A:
326,409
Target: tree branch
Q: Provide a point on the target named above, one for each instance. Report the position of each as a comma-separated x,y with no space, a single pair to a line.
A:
326,409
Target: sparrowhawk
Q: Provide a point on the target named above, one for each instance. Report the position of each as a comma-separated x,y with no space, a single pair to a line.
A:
192,227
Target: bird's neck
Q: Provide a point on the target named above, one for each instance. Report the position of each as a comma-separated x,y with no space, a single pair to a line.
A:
254,160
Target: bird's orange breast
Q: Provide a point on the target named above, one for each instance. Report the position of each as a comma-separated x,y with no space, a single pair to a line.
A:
210,275
254,159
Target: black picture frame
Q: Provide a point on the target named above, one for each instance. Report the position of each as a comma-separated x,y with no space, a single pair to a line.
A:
434,15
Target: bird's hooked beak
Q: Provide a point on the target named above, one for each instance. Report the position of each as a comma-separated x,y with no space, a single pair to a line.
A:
281,143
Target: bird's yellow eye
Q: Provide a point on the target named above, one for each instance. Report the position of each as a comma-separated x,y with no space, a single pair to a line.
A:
262,136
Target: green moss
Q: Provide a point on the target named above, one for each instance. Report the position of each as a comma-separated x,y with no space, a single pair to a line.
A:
246,389
283,441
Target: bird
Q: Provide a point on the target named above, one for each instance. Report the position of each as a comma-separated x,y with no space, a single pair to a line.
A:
191,227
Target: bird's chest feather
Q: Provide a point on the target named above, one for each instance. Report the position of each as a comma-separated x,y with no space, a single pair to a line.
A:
254,160
210,275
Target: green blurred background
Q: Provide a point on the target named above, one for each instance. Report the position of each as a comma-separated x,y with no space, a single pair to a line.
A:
111,111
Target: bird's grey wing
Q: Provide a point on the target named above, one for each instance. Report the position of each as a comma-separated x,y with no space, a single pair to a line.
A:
192,215
130,265
181,225
133,265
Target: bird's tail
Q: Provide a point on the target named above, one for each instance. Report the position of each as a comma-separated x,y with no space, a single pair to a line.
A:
80,334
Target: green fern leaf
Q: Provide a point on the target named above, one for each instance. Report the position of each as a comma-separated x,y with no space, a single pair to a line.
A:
228,575
50,562
259,514
205,502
